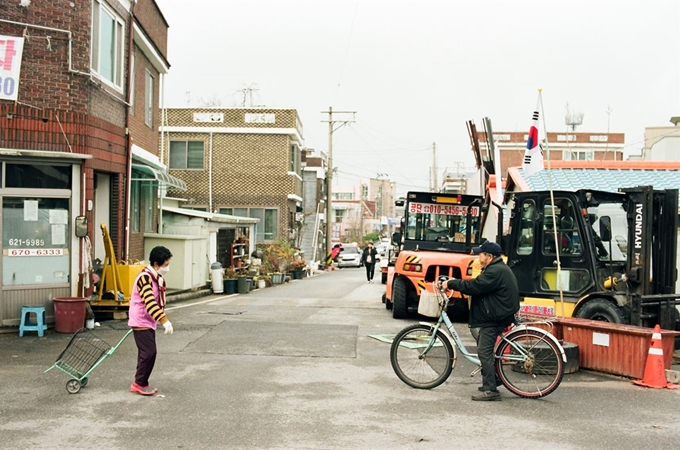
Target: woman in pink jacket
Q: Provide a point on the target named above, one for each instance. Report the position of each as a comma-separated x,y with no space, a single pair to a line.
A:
147,306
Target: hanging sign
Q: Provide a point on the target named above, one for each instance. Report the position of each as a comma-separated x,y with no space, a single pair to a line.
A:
11,49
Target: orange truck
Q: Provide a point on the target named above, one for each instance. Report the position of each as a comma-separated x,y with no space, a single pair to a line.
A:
437,234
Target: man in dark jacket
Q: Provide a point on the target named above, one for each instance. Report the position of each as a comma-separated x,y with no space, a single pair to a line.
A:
368,258
495,300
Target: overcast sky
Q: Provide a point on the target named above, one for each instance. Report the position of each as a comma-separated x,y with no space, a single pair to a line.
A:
415,71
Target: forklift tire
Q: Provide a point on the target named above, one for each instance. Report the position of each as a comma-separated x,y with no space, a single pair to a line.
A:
602,310
399,299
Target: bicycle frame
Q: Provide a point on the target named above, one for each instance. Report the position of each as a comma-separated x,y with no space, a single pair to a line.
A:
455,338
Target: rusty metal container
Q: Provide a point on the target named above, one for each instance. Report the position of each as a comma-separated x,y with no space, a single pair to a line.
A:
614,348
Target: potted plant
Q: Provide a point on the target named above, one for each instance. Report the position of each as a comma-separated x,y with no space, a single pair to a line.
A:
297,267
230,280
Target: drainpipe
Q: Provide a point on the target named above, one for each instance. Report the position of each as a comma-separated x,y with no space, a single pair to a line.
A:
128,143
162,152
210,163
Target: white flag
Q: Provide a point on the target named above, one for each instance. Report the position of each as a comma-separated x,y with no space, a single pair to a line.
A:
533,156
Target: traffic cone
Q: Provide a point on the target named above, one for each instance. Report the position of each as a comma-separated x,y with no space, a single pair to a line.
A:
655,376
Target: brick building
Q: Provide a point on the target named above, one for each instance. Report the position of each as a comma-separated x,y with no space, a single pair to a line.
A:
239,161
567,146
89,71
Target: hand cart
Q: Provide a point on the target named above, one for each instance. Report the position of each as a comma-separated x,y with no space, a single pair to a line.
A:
84,352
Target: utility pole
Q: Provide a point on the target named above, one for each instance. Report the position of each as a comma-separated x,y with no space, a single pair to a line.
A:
329,169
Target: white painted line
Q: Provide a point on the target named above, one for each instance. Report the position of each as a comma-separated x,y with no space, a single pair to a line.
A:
200,303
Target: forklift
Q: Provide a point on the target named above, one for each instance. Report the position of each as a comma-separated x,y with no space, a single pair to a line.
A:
609,256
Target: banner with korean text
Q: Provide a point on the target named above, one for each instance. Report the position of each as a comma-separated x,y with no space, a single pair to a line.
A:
11,50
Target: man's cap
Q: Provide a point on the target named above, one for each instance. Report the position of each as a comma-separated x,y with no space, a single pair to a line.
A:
488,247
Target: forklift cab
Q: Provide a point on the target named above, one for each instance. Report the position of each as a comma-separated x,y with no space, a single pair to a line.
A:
543,227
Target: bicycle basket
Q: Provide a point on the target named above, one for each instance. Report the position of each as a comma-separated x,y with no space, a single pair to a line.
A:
429,304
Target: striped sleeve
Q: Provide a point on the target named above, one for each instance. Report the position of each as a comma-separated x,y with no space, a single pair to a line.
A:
145,289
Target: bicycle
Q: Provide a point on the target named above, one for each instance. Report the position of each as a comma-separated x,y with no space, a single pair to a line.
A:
529,360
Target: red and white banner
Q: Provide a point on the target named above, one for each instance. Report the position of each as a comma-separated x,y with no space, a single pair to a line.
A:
11,50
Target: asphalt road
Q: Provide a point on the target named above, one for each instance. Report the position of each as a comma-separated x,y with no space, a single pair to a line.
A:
293,367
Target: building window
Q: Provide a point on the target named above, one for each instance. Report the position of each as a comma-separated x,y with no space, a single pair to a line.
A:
267,227
294,157
340,215
148,101
107,44
186,154
343,195
149,197
36,237
584,155
135,207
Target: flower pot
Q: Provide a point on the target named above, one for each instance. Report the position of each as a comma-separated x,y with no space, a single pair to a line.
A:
230,286
297,274
261,284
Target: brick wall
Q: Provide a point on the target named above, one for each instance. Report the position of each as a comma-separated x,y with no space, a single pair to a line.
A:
150,18
248,170
140,133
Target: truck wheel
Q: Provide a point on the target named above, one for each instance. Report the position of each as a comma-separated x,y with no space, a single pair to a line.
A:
399,299
602,310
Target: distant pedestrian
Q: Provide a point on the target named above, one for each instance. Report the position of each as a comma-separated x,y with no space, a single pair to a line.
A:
368,258
147,306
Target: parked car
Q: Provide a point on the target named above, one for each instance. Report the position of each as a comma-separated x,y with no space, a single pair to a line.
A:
350,256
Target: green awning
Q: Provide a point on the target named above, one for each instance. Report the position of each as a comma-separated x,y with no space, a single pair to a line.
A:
158,175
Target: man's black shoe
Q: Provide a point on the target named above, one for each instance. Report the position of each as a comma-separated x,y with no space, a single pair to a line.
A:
487,396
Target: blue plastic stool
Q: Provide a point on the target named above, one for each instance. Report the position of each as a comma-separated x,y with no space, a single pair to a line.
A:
39,325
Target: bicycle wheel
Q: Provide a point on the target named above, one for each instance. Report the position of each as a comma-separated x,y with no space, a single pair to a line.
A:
418,366
536,370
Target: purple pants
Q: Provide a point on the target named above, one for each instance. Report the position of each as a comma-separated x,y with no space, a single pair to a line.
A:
146,355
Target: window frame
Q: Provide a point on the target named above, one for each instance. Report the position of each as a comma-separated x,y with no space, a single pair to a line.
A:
267,230
148,100
171,162
100,11
135,205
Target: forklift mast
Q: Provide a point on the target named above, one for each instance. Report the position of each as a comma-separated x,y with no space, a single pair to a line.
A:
652,241
652,251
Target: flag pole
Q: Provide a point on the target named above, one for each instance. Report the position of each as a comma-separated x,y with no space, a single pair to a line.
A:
552,205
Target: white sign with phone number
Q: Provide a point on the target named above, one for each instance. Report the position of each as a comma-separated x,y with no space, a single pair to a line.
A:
35,252
433,208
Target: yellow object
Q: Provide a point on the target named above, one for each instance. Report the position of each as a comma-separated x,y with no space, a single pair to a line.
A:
116,277
126,276
609,282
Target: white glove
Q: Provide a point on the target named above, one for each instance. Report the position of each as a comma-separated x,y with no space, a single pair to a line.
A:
168,327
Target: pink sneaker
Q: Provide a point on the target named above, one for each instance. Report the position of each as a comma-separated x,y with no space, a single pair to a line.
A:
142,390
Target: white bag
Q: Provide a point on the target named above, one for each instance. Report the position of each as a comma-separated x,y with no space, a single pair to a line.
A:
429,304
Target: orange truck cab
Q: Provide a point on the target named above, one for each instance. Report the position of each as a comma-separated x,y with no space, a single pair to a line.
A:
437,234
